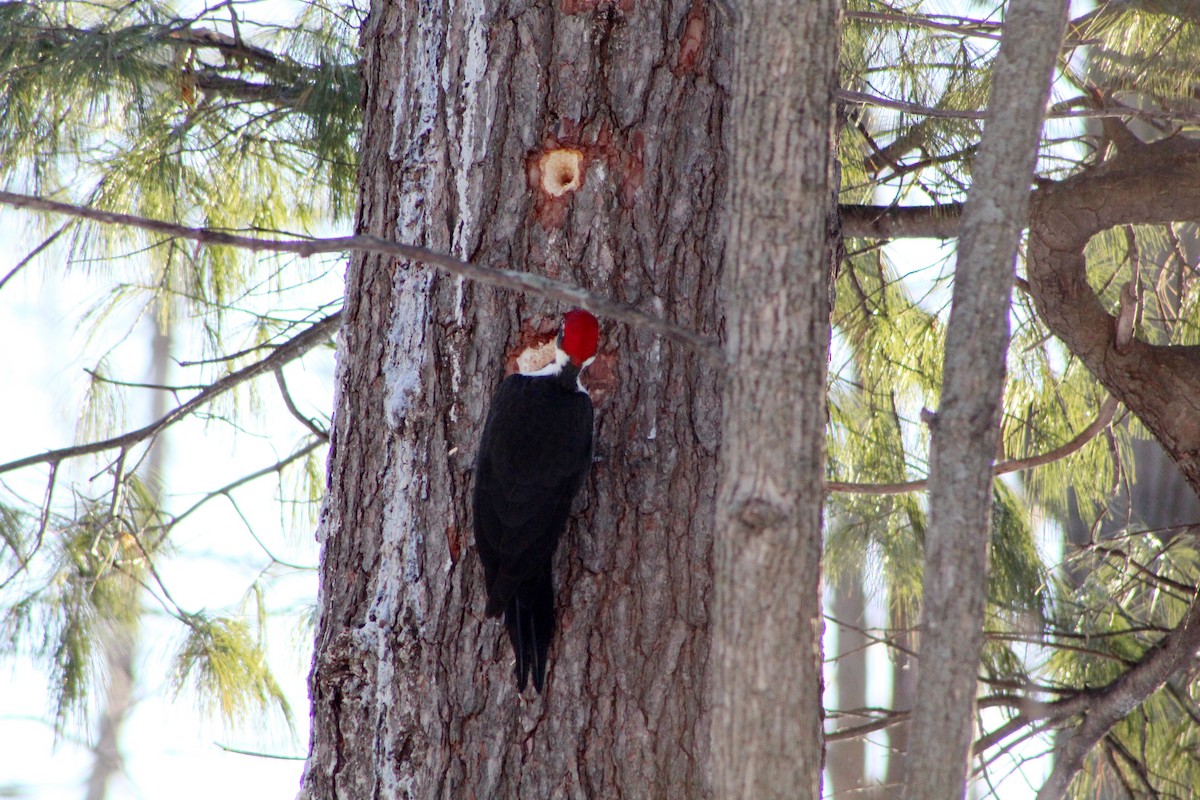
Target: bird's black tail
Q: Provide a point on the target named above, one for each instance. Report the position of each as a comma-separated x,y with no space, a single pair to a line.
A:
529,618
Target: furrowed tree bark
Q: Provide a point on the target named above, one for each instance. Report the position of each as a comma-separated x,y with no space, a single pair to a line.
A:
967,424
412,689
767,739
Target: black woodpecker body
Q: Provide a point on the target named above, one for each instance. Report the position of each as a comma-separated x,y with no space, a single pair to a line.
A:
533,457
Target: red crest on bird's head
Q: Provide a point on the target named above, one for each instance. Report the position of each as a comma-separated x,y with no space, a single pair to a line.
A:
580,335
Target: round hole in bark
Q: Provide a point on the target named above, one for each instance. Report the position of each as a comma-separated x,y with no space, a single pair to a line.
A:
562,171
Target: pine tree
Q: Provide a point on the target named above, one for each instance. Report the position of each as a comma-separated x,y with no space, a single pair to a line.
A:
227,122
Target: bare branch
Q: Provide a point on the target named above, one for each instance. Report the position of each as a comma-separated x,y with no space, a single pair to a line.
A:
225,490
501,278
320,433
43,523
256,754
900,222
1061,110
871,637
49,240
262,545
233,47
983,29
158,387
858,731
294,348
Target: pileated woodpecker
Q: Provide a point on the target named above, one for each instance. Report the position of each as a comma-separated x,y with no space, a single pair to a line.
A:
535,452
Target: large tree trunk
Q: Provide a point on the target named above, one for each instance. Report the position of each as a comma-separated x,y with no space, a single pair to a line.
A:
412,688
767,739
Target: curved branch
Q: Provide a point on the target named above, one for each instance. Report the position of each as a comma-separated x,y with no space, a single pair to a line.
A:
1105,416
501,278
317,431
1143,184
294,348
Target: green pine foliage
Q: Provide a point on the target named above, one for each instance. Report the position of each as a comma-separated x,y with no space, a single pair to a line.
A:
218,120
226,667
128,107
85,588
1053,626
1130,592
223,121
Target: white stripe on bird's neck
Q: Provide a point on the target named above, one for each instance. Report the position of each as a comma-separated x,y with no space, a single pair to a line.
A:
555,367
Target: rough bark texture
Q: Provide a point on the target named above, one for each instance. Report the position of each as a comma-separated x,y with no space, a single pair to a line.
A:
412,689
964,433
767,643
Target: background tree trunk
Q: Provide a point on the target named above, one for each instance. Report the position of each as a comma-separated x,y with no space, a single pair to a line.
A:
767,738
848,759
967,424
119,645
412,689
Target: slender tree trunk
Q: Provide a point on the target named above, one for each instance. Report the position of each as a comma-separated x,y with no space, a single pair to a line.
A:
904,690
967,423
767,737
848,759
118,650
479,116
120,644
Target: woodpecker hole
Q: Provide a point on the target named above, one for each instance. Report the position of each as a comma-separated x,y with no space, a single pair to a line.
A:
535,356
561,170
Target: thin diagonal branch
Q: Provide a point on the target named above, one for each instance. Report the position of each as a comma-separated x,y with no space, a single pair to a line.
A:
294,348
857,731
49,240
501,278
319,432
227,489
43,523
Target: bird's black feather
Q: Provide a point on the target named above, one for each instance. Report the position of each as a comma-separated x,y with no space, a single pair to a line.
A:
534,454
